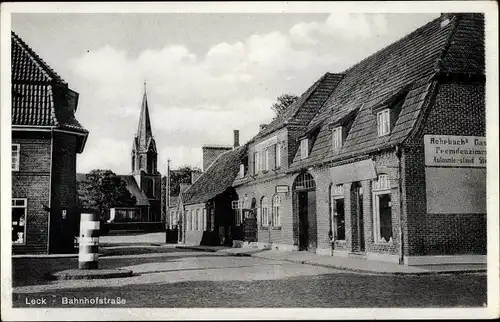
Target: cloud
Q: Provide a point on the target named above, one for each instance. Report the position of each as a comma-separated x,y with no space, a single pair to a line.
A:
351,26
199,99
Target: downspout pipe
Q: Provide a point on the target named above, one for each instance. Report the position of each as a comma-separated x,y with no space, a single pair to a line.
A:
400,217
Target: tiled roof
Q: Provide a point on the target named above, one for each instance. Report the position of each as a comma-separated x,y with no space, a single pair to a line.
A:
218,177
306,106
406,65
132,187
40,97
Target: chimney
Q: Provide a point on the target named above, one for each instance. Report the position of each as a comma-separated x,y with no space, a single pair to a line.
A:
212,152
262,126
194,176
236,138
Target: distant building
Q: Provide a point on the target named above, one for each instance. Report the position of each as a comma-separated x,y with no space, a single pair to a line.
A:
46,137
144,181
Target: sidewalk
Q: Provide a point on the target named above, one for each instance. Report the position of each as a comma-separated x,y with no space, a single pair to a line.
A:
343,263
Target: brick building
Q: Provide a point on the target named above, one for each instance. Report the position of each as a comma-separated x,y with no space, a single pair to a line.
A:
46,137
205,207
383,161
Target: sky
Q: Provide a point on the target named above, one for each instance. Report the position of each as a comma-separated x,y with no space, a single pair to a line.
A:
207,74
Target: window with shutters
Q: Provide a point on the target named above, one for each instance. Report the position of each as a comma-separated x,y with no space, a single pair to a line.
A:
304,148
337,138
277,156
277,211
384,122
264,212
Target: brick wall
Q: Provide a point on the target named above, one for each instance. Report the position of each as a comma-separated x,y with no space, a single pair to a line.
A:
385,163
32,182
63,192
459,109
267,188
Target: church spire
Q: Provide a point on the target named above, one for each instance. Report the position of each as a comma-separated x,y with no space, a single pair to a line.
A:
144,132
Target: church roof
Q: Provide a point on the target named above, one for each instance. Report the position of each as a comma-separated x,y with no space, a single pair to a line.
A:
144,137
40,97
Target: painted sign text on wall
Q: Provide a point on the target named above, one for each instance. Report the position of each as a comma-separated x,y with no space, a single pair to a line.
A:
455,151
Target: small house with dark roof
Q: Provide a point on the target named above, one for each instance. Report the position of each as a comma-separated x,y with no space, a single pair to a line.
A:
46,137
206,206
388,161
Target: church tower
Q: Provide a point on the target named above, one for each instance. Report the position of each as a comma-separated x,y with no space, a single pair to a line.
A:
144,161
144,154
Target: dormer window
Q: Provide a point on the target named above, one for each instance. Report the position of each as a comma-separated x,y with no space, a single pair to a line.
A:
337,138
241,173
304,148
384,122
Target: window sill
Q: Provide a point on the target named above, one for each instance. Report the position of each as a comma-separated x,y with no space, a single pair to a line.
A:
277,228
264,227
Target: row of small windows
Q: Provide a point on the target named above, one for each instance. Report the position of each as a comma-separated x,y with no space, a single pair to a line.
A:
261,158
338,133
382,210
196,219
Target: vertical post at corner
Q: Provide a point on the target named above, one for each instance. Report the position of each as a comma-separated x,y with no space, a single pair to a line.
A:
88,243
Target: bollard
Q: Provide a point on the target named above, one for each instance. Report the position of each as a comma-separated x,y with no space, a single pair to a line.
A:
88,245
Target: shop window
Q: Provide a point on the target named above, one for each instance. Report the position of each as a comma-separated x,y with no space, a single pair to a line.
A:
15,157
304,148
277,156
277,211
382,210
337,138
264,212
383,122
338,212
19,213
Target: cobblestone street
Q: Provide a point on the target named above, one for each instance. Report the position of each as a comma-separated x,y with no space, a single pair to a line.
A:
169,277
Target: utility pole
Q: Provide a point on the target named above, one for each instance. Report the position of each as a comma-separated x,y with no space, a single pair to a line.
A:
167,202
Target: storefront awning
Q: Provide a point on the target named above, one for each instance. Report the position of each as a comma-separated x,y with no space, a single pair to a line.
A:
357,171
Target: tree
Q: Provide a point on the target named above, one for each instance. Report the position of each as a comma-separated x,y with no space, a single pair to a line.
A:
181,175
282,103
103,190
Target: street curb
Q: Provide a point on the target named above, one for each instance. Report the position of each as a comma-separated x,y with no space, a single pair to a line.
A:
88,274
347,269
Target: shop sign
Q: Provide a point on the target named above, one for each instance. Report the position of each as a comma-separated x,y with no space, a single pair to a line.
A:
455,151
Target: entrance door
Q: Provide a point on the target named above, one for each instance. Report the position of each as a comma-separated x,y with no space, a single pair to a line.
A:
304,189
250,225
311,221
303,221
